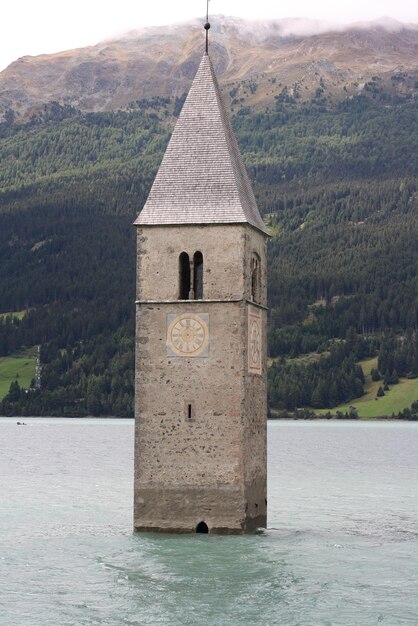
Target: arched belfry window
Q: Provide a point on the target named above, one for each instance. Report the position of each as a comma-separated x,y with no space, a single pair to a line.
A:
255,278
198,275
191,288
184,276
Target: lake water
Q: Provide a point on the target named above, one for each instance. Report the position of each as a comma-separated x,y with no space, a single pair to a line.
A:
341,548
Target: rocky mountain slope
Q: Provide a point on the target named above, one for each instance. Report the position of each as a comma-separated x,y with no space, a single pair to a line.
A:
255,61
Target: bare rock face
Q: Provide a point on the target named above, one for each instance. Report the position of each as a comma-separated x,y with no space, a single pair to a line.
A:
255,61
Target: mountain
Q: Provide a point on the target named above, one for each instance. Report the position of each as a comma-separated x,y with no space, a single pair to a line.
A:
334,167
255,61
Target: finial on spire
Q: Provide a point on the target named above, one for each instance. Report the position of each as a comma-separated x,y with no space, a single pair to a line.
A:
207,26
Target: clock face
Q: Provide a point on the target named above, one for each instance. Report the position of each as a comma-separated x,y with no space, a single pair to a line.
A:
254,340
187,335
255,343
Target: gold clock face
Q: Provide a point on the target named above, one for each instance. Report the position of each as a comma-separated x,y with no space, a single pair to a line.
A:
255,343
187,335
254,340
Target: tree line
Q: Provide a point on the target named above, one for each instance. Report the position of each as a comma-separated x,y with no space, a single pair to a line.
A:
338,187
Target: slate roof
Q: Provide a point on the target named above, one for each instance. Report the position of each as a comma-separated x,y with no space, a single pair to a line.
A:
202,179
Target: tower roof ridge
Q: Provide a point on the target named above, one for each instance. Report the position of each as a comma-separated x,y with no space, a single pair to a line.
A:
202,178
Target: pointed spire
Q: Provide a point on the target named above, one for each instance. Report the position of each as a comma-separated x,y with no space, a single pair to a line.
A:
202,179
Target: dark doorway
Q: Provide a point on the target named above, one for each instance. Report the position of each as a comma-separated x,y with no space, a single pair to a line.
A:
202,528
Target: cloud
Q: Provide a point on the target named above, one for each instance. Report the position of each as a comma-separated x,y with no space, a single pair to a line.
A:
262,30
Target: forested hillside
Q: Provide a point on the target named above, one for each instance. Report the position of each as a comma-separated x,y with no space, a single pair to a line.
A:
337,182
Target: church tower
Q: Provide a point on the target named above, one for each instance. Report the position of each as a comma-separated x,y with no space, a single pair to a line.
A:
201,406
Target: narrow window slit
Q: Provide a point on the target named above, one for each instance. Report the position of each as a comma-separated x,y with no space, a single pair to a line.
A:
255,278
198,275
184,276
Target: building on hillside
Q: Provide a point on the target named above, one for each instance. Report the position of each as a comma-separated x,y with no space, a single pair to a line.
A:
201,405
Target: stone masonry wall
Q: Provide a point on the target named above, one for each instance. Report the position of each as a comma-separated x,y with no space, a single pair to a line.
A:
159,249
210,465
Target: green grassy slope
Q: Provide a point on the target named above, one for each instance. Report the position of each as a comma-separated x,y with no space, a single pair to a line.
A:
17,367
18,314
399,396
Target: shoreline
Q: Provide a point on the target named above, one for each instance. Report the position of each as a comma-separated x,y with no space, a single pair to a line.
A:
270,419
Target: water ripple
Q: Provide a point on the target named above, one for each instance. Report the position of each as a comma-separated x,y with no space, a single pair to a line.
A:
341,549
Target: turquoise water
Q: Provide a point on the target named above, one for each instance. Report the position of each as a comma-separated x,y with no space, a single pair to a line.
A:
341,548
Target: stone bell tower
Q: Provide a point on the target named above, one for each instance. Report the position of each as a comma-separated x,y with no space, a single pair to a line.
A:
201,408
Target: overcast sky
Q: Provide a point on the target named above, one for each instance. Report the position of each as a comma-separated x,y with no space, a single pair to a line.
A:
45,26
